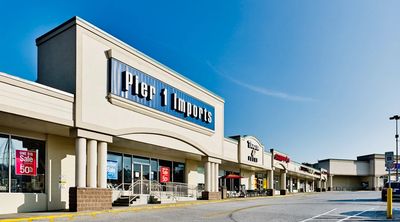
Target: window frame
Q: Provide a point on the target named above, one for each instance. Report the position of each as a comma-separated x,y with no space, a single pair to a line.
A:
9,143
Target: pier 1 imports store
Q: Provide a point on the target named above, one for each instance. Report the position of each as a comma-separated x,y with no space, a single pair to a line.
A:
105,124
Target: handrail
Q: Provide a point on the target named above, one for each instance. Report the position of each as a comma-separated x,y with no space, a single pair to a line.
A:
171,190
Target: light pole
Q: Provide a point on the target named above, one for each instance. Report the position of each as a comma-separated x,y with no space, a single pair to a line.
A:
396,117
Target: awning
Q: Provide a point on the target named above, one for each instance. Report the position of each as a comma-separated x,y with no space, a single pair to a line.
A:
232,176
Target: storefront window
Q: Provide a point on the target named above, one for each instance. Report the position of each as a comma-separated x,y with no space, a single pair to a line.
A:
277,183
179,172
27,165
127,169
4,163
141,160
166,163
154,169
114,169
295,184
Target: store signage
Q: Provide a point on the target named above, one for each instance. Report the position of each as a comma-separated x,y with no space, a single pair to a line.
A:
254,148
164,175
305,169
389,159
112,170
137,86
281,158
25,162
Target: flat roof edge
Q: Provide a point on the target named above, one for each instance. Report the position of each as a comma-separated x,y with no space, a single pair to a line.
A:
62,94
76,20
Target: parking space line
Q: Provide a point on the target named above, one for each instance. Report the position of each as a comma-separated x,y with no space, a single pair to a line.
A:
355,215
314,217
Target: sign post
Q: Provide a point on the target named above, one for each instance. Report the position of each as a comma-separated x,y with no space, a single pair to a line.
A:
389,160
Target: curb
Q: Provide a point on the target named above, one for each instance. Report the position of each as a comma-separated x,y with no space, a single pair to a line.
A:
142,208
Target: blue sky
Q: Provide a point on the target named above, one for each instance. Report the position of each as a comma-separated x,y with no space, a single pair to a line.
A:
314,79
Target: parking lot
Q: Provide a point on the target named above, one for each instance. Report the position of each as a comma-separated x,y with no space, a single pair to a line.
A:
330,206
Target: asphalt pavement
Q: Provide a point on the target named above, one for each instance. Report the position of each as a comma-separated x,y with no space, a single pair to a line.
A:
312,207
329,206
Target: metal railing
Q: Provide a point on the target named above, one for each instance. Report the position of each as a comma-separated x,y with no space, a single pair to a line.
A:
171,190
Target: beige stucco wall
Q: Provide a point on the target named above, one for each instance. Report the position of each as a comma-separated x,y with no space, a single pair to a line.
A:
230,150
25,98
346,183
60,162
349,167
248,179
267,160
114,116
195,172
22,202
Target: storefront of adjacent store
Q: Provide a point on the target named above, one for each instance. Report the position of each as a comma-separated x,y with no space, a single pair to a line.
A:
106,124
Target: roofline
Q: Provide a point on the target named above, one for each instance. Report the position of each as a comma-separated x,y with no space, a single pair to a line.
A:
50,91
85,24
373,154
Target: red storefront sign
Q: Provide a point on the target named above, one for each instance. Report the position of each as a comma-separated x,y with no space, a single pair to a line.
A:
25,163
282,158
164,175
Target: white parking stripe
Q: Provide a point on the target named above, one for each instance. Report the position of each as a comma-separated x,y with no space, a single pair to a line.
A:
314,217
355,215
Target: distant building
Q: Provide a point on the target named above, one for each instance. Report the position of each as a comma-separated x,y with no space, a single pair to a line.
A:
365,173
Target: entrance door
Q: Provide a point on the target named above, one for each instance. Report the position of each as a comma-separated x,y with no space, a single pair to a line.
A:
141,178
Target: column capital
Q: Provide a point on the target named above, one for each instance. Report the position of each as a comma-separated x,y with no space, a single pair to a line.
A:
211,159
76,132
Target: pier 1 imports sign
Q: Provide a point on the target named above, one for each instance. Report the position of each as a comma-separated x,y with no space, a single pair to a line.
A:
25,163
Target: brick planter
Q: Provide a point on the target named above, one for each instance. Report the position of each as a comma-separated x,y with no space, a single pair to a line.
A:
86,199
211,195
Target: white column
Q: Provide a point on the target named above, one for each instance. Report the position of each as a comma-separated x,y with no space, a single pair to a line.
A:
216,177
298,184
207,176
283,180
305,185
313,185
291,184
331,182
102,165
80,162
92,164
270,179
320,184
212,177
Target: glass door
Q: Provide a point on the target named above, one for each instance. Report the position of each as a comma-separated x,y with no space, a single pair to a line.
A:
141,178
146,179
137,176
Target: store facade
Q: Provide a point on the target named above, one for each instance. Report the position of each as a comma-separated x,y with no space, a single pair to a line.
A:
104,120
367,172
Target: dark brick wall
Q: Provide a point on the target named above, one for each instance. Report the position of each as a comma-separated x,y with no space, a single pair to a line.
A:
86,199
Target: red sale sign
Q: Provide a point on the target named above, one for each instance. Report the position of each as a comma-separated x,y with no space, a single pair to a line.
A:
164,175
25,163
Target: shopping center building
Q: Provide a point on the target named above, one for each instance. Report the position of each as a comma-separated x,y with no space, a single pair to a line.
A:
365,173
106,124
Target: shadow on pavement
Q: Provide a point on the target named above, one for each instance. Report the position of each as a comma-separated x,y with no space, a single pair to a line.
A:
371,215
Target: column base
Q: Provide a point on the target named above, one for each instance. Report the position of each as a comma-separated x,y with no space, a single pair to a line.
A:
329,189
270,192
87,199
206,195
283,192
